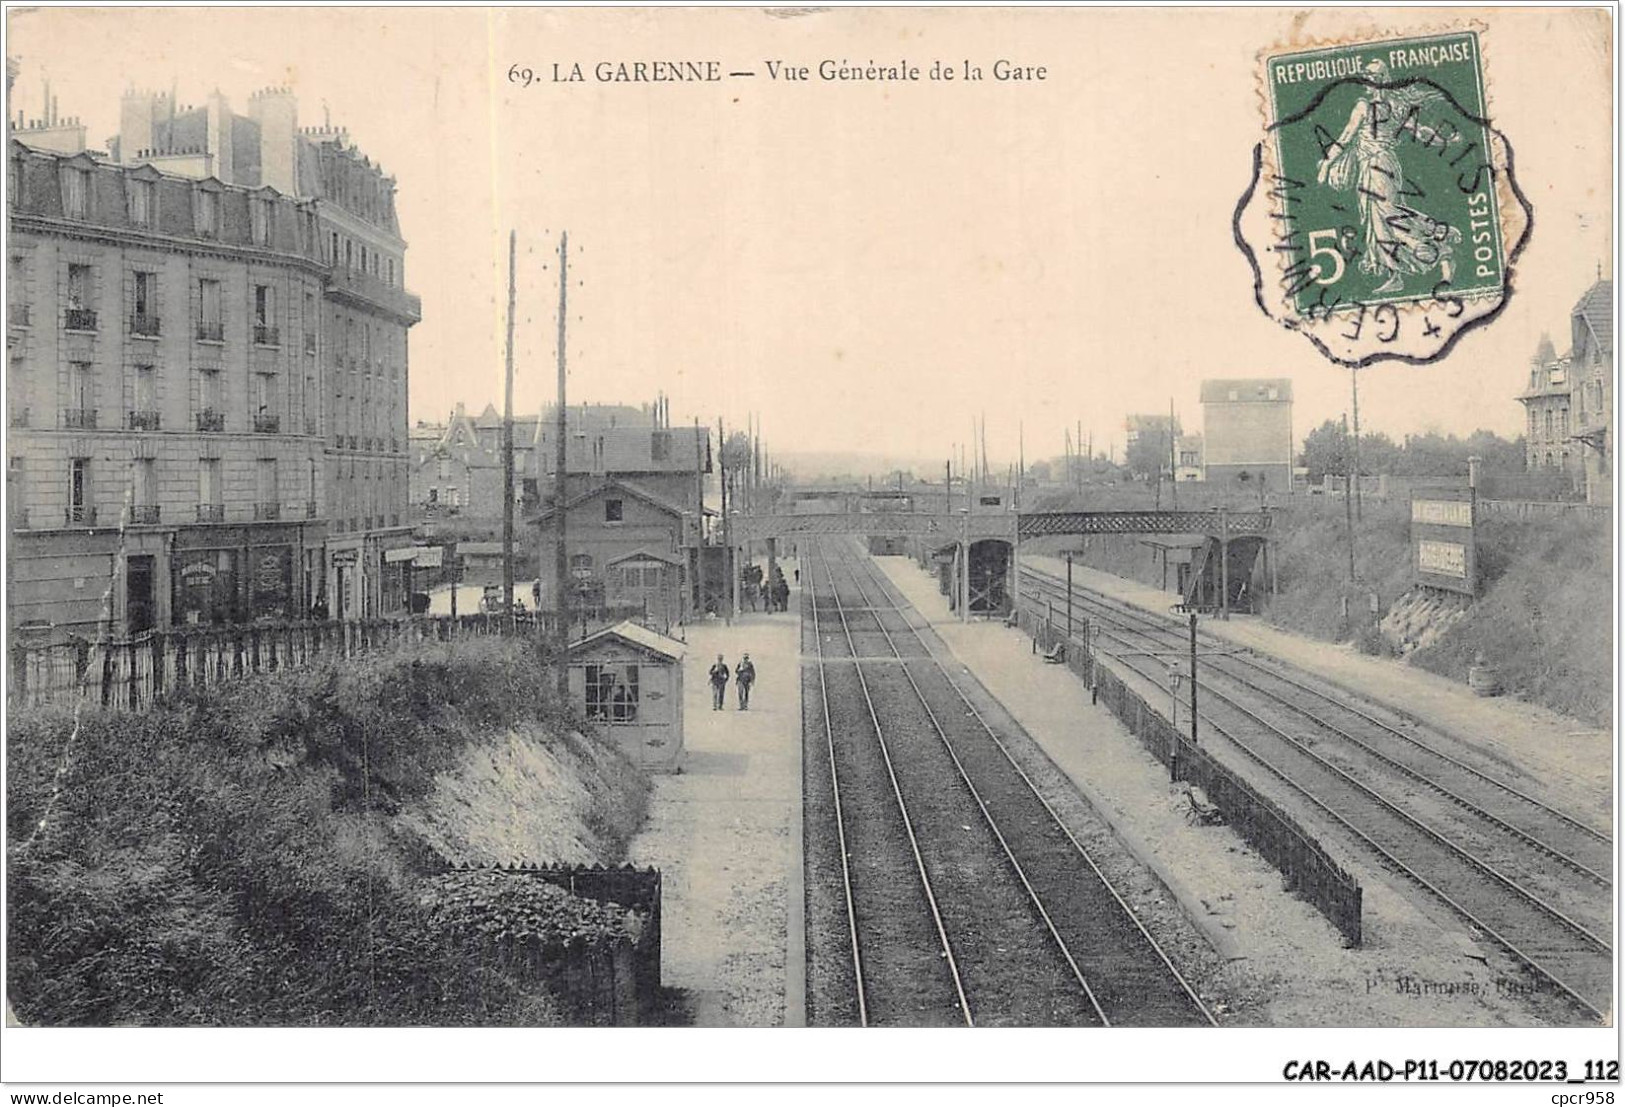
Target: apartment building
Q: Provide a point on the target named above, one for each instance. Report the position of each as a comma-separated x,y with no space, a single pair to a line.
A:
207,372
1569,401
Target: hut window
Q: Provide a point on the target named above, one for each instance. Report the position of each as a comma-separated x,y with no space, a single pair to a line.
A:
612,693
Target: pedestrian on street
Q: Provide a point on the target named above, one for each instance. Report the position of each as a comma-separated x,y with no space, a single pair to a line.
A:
744,677
798,574
719,682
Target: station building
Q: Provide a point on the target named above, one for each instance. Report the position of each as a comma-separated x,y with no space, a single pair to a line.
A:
207,371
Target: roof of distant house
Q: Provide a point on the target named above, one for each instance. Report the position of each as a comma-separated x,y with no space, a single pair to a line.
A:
644,552
1247,390
1596,307
639,636
611,484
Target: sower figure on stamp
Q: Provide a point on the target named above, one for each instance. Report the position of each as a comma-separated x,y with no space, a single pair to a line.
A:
744,677
719,682
1397,240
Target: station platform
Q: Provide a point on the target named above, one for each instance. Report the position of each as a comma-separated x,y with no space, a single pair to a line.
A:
1563,757
726,831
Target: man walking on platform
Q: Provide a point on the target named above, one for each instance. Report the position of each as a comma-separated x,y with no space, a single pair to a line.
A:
719,682
745,676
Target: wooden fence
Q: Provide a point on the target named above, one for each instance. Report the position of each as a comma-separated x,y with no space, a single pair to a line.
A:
131,673
1309,870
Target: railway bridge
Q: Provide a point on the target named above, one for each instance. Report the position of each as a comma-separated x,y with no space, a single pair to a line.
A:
983,542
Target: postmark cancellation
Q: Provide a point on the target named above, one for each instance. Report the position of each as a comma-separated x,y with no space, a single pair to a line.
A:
1382,221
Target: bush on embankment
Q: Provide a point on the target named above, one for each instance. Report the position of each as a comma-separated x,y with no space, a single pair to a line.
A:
235,857
1544,620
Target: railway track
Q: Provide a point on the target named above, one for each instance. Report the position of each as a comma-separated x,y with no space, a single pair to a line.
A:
1022,925
1483,845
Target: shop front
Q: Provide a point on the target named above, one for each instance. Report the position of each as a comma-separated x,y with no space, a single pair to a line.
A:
222,575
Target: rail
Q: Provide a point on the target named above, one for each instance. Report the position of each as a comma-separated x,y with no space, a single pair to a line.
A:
902,806
1114,899
1467,857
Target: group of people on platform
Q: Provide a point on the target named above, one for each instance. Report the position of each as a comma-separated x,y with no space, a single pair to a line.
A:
775,591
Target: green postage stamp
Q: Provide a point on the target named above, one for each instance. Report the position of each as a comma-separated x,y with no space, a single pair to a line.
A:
1383,221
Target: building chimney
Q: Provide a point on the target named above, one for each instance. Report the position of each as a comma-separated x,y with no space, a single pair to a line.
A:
218,143
276,110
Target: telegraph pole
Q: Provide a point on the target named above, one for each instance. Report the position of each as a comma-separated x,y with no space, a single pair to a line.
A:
507,446
699,530
561,560
1348,493
1354,384
728,569
1173,467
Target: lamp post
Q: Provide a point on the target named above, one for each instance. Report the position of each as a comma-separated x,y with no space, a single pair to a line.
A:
1069,595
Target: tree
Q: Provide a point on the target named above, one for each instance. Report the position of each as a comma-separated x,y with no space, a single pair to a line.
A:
1323,450
736,451
1151,451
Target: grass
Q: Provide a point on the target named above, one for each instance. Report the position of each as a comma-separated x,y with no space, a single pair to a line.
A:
230,858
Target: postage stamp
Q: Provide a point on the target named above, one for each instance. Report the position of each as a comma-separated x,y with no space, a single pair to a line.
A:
1383,220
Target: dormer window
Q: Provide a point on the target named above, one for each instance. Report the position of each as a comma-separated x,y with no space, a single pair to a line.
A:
206,207
260,214
141,202
75,192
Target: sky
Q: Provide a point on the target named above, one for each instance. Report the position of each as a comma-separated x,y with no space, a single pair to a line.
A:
863,266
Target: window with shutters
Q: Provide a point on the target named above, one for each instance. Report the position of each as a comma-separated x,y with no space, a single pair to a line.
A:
211,325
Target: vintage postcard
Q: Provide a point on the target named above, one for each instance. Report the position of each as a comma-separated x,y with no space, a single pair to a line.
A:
540,520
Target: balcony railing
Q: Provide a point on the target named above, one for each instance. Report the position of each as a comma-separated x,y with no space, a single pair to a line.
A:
211,513
145,420
145,514
354,285
211,420
310,509
75,418
211,332
266,512
17,315
267,424
266,336
79,319
145,326
79,515
19,417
